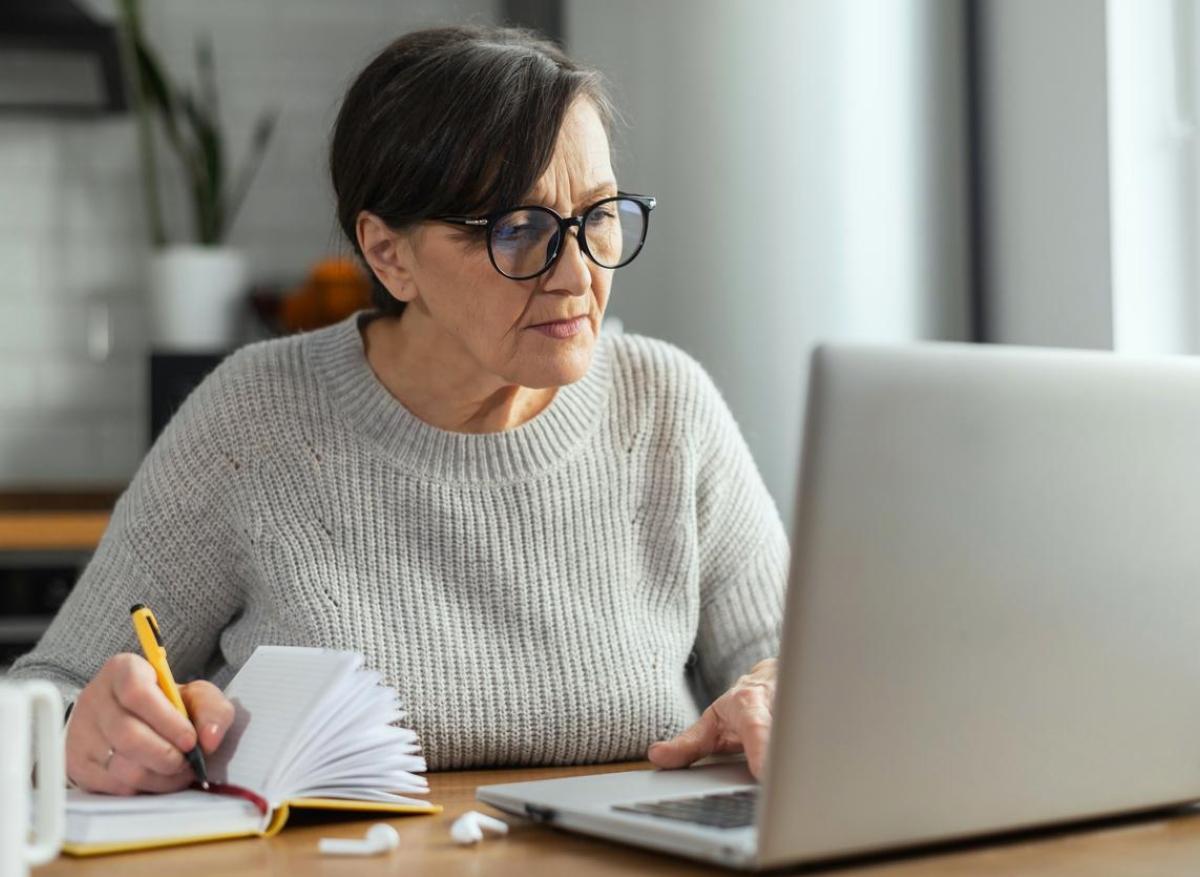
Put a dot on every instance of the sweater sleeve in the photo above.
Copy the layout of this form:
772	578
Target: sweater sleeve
174	542
743	551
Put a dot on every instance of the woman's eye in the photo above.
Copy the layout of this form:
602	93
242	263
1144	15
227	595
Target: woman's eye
602	214
516	232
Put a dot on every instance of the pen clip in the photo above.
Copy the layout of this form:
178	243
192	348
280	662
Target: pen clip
151	622
154	630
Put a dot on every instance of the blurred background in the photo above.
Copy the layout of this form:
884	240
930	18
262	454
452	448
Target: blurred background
1011	171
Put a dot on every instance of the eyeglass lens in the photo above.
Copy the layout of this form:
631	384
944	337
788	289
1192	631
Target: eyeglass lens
524	241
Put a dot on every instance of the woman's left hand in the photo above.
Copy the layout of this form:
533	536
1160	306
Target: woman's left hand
738	721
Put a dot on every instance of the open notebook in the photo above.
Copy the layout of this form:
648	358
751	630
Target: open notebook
313	730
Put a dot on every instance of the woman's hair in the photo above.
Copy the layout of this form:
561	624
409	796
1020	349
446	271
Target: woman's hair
452	120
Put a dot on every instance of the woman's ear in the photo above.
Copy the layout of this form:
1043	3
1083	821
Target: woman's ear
389	254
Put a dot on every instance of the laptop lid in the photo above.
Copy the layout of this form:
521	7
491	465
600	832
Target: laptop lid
994	612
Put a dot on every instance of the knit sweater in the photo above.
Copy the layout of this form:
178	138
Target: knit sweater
564	592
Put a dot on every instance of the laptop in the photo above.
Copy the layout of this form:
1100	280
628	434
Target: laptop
992	620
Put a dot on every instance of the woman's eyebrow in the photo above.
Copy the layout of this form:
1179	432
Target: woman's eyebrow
595	191
586	199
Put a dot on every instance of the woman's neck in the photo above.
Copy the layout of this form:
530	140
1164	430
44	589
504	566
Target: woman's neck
439	382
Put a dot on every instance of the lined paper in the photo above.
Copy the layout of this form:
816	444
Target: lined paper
275	695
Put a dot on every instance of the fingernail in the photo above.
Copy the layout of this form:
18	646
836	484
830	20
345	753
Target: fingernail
212	729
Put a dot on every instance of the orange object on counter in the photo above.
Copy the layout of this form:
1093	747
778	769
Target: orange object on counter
334	289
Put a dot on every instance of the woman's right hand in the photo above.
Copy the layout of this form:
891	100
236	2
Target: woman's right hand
125	737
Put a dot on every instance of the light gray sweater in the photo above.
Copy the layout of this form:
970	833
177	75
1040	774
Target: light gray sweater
558	593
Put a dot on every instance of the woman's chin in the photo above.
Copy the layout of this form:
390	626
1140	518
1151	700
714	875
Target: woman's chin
559	368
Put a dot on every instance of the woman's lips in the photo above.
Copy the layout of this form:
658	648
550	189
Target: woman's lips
562	328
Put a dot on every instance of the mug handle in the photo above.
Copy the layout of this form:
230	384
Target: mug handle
49	811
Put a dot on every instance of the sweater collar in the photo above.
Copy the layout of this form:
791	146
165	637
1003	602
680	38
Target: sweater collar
336	353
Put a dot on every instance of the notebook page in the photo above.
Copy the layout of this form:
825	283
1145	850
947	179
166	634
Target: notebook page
276	695
365	793
310	748
175	802
92	818
363	755
386	751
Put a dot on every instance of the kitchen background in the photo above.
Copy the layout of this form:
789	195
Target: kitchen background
73	242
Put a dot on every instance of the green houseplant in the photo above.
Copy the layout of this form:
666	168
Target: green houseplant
197	287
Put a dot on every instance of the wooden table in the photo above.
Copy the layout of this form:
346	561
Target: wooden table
1133	847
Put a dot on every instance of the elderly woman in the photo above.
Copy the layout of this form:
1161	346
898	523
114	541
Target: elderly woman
553	542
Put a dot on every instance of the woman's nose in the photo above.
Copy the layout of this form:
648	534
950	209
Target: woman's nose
570	273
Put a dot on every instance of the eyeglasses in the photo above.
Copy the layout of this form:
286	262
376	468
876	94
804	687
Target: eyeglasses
524	242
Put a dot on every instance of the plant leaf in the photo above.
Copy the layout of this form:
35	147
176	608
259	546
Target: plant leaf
158	87
264	129
210	179
206	74
129	18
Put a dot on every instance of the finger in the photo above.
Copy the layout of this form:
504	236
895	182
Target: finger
211	712
84	742
91	776
727	743
693	743
127	771
83	736
748	716
135	687
138	742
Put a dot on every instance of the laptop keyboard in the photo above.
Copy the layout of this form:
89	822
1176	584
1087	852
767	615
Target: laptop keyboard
718	810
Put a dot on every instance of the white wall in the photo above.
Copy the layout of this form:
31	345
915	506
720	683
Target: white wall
809	158
1045	153
71	231
1091	129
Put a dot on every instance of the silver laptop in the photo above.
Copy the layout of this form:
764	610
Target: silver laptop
993	618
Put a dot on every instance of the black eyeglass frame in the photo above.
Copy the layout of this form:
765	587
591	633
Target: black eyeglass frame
488	221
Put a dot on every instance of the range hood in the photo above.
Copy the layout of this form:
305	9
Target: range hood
55	58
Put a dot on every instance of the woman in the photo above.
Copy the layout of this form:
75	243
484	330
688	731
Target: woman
534	531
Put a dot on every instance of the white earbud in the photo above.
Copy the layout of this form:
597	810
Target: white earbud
380	838
469	828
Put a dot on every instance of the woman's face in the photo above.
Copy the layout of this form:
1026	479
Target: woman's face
458	299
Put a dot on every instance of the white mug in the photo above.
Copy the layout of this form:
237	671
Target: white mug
25	706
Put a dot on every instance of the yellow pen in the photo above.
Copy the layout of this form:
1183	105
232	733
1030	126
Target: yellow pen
146	627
